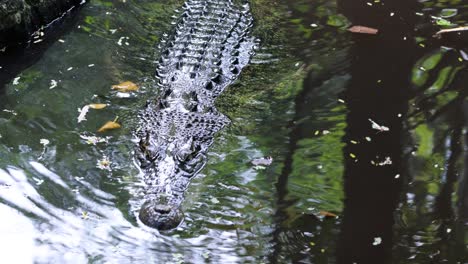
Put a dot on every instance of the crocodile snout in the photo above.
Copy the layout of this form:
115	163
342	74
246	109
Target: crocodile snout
161	216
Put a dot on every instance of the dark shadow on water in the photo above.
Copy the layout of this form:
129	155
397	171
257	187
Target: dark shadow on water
17	58
374	160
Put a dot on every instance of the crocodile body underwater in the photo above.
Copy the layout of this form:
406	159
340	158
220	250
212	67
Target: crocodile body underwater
206	53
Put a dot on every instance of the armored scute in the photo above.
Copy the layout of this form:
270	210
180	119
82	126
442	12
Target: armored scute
206	53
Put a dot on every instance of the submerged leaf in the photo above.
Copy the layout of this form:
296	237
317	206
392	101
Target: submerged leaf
109	126
125	87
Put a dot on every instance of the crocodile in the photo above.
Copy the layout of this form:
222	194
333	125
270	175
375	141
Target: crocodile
207	51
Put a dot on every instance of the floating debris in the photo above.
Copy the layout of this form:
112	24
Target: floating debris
214	200
104	164
377	241
16	80
38	181
378	127
10	111
120	41
83	111
387	161
84	215
53	84
265	161
93	140
44	141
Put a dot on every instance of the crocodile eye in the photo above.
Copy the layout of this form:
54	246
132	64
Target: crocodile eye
209	86
235	70
217	79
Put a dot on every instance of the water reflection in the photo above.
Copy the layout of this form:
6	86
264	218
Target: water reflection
377	99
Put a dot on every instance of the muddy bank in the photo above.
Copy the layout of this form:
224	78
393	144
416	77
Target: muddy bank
19	18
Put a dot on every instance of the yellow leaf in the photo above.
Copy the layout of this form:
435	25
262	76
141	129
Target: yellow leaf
109	126
125	87
97	106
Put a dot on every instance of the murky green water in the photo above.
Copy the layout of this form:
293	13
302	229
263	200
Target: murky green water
399	196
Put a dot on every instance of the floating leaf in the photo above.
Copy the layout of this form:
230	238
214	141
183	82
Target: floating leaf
109	126
457	29
363	30
443	22
448	12
125	87
97	106
327	214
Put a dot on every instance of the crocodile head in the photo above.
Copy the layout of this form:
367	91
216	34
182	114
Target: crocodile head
160	214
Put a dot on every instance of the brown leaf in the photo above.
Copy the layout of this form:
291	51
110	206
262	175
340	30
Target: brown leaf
327	214
97	106
109	126
363	30
125	87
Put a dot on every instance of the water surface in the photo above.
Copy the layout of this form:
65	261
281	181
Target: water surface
367	135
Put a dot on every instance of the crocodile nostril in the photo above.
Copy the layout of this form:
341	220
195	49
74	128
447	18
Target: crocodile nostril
162	209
